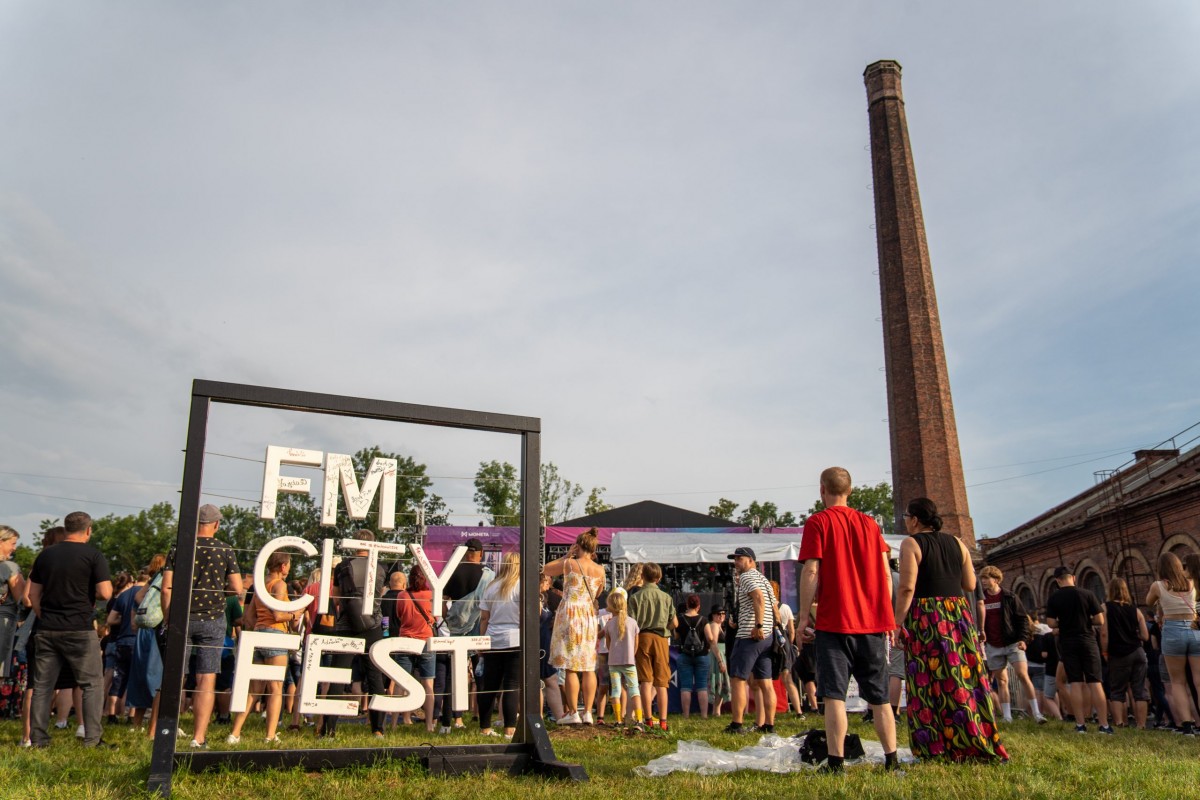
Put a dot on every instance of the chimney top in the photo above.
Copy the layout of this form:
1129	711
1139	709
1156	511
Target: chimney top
883	81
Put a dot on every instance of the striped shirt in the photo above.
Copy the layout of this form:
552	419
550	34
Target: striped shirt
748	582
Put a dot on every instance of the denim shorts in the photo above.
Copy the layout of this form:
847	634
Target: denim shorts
270	652
1179	638
419	665
751	659
693	672
207	638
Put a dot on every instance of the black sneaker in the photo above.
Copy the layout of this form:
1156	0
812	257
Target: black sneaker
734	727
828	769
1081	728
1108	729
766	728
1187	729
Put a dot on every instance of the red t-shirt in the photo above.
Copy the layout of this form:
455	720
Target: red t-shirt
411	622
852	593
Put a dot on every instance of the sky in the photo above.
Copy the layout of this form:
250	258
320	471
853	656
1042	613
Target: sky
649	225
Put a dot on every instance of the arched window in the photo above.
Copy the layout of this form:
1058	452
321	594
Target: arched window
1025	594
1095	584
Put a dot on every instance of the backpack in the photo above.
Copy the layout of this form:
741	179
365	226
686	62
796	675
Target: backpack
815	747
693	643
149	613
350	600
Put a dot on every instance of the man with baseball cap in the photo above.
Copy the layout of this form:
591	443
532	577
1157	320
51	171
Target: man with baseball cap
215	570
1071	612
755	610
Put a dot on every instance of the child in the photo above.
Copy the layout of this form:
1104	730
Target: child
621	635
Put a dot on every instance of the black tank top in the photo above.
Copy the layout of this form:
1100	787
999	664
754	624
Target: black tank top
940	571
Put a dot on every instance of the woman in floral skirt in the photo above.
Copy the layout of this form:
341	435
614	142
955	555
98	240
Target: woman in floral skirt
573	642
950	712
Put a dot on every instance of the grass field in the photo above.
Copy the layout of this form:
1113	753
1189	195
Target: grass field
1049	761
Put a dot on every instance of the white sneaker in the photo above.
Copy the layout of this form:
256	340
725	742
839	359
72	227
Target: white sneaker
80	732
586	719
26	743
569	719
231	739
61	725
179	734
444	730
1041	719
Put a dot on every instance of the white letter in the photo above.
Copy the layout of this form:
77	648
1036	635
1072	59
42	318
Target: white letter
460	665
314	674
381	657
273	484
326	575
245	670
260	574
381	476
437	582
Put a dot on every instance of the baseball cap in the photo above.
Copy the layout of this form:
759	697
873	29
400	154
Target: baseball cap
743	551
1061	571
474	544
209	513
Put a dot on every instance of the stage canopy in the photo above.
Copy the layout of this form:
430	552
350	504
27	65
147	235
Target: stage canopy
633	547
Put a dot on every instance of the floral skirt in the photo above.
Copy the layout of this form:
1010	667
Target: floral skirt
950	712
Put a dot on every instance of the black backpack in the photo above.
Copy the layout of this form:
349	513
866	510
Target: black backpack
693	643
814	748
351	600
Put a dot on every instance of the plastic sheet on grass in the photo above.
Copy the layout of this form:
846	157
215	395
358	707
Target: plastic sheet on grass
771	754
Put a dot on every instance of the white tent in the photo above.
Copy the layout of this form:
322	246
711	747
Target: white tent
633	547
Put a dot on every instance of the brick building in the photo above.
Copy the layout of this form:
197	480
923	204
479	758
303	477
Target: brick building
1117	528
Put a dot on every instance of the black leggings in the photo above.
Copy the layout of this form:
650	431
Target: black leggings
501	673
374	681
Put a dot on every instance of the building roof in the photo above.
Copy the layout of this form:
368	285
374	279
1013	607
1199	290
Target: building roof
646	514
1152	474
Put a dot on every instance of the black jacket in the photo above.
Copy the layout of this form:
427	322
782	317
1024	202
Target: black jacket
1014	623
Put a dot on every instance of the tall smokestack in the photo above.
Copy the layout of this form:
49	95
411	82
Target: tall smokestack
925	456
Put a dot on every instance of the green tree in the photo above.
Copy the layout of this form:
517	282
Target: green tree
723	509
129	542
595	502
24	556
558	494
498	493
873	500
764	513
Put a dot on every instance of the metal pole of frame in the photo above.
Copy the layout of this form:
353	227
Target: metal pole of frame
533	731
175	658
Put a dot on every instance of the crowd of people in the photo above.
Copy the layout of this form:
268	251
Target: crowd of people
919	623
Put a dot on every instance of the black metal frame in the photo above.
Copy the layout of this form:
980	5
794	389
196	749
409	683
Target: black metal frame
530	750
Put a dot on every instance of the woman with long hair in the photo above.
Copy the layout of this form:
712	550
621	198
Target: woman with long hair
12	590
1121	636
950	712
500	618
267	620
1176	596
414	612
146	666
573	642
693	664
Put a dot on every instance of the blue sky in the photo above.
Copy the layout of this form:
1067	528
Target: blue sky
647	224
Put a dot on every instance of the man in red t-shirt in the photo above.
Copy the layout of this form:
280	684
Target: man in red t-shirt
846	570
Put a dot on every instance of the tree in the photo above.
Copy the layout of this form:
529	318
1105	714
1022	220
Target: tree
595	502
129	542
498	493
875	501
558	494
723	509
764	513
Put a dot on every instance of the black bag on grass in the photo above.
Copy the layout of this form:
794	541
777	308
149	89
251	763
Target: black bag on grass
814	748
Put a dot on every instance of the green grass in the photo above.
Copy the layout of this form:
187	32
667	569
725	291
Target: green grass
1050	761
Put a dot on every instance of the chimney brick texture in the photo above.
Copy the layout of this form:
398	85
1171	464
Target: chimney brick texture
925	455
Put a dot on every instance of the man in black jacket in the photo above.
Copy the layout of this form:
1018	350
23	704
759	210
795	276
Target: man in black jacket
1006	627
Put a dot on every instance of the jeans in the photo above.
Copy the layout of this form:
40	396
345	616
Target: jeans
79	650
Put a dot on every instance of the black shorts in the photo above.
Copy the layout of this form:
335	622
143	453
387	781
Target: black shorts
1080	657
1128	671
863	655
